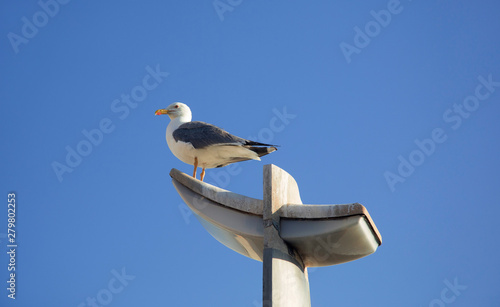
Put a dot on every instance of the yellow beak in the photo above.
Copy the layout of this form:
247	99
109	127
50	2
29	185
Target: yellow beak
161	111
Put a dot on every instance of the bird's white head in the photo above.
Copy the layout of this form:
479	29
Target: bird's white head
175	110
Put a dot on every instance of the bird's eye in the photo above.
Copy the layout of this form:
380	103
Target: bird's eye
176	106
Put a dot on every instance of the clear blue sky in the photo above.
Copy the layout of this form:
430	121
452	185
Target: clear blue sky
396	109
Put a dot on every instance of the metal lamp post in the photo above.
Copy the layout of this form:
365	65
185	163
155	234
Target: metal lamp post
286	235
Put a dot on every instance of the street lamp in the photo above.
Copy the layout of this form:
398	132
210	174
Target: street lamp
286	235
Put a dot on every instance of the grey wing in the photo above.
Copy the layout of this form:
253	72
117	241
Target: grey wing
201	135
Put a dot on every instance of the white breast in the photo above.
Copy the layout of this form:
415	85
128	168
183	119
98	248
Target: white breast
183	151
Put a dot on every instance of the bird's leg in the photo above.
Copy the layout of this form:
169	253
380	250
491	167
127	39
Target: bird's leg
202	174
195	166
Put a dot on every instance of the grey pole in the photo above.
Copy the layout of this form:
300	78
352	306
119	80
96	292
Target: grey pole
285	281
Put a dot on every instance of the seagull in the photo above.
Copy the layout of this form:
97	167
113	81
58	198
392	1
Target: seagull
205	145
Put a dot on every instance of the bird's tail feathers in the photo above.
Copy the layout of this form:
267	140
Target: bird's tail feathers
262	151
252	143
